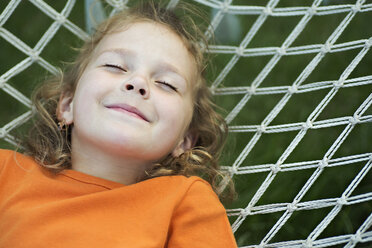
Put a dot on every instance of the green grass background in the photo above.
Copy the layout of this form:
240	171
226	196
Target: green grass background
29	23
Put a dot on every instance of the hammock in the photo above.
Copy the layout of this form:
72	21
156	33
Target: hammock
295	80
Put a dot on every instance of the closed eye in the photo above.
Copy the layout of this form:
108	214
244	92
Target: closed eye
115	66
168	85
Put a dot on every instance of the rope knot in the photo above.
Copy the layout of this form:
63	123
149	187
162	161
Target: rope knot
2	82
356	8
326	48
33	109
240	51
292	89
275	168
354	120
252	89
281	51
312	10
338	84
61	19
291	207
323	163
308	124
224	7
368	43
2	133
341	201
119	5
307	244
246	211
356	238
261	128
233	170
34	55
268	11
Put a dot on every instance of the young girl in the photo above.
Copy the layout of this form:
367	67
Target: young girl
124	148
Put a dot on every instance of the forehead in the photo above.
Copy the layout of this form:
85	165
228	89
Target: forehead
151	43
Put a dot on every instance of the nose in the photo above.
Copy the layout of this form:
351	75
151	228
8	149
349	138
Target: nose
137	85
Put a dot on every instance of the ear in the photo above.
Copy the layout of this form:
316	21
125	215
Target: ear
187	143
65	108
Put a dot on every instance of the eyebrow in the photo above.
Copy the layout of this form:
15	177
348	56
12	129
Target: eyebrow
162	66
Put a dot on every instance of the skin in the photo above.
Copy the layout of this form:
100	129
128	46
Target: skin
129	67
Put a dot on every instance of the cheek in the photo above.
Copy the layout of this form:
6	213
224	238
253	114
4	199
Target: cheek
177	114
91	88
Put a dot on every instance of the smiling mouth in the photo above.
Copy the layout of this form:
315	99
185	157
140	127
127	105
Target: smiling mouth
128	111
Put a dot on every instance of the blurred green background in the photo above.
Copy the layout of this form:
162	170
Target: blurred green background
28	23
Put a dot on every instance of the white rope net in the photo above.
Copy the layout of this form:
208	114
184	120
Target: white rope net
277	214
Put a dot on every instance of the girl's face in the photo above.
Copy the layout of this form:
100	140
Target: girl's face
134	99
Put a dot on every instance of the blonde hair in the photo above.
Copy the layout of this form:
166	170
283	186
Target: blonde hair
51	147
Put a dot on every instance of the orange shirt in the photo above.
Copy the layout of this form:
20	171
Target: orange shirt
74	209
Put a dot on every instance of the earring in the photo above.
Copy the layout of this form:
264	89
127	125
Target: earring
62	125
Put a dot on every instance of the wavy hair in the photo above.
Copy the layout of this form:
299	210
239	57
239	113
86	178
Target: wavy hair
51	147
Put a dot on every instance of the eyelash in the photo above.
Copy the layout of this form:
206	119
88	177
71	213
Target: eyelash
169	85
160	82
115	66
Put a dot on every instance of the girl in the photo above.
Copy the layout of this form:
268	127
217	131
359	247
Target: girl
124	148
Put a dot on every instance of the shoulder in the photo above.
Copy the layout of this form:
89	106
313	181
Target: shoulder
9	158
197	185
196	190
4	153
199	219
5	157
191	189
188	183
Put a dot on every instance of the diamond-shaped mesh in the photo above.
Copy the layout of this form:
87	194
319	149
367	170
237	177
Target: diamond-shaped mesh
295	79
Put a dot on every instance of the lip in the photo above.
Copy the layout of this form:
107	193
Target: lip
128	108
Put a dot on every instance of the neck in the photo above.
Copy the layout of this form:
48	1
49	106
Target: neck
97	162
